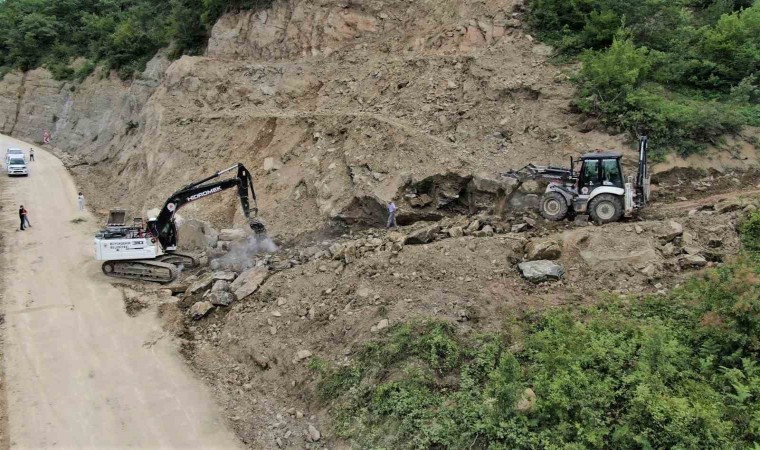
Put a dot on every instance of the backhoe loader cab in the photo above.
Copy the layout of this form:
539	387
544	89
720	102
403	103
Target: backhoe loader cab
599	188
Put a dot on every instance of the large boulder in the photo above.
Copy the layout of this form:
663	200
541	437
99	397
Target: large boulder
694	261
337	250
220	286
542	249
487	231
488	183
271	164
221	298
200	309
668	231
544	270
203	283
456	232
232	234
249	282
422	236
224	275
608	250
527	401
192	236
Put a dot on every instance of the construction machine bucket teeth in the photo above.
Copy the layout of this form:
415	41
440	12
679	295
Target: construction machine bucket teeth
258	227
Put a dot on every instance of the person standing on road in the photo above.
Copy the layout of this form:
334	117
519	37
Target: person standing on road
26	218
22	217
80	201
31	154
392	215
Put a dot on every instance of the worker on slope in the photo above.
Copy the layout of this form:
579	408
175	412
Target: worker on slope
391	215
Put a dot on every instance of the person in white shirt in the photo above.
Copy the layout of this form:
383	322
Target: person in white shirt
392	215
80	201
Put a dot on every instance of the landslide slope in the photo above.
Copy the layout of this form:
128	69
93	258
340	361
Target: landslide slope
354	103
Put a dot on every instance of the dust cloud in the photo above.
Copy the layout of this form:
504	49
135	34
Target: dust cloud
247	253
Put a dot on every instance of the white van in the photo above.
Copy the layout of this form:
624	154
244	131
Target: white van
16	166
14	153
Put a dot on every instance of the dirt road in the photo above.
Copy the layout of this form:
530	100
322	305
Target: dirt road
79	372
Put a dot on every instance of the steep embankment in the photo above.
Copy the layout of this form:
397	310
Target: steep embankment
335	108
353	104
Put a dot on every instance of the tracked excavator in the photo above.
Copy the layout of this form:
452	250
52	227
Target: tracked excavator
597	189
147	251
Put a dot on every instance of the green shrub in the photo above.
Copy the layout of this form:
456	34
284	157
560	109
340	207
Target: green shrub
683	71
119	34
85	70
751	233
677	371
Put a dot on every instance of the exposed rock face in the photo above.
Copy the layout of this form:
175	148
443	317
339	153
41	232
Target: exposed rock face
84	119
290	30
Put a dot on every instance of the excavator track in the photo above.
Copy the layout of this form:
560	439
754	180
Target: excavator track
178	259
141	269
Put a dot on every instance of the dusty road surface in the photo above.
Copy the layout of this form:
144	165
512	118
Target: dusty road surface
80	372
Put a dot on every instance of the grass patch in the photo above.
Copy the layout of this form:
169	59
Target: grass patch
677	371
78	220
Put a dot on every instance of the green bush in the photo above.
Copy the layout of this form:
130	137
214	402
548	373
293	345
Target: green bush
677	371
85	70
120	34
683	71
751	233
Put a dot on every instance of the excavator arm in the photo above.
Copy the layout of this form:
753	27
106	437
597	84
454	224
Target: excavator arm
164	228
549	173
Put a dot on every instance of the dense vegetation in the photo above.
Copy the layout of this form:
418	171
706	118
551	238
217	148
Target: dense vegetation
680	371
120	34
684	71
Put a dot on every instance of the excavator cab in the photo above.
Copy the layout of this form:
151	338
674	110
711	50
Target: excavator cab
166	234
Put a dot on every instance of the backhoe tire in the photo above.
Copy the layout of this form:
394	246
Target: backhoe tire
553	206
606	208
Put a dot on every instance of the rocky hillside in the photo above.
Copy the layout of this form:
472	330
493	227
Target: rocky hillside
337	107
334	107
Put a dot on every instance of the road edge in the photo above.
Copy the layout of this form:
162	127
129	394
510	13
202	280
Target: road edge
5	437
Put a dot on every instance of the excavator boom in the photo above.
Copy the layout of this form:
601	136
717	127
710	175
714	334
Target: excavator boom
164	228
